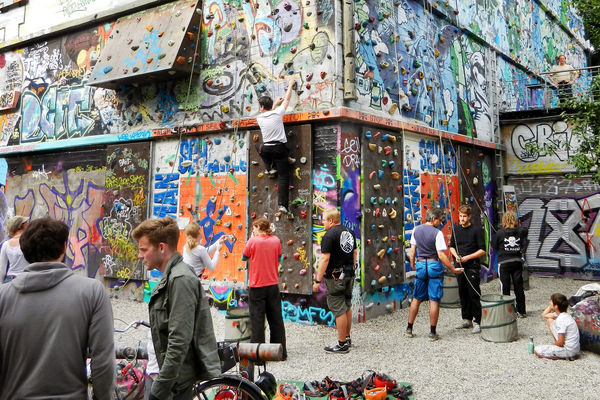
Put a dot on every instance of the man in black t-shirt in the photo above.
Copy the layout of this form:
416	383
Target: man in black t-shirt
336	265
467	246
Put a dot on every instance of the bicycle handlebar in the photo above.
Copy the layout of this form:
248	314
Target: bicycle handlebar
133	324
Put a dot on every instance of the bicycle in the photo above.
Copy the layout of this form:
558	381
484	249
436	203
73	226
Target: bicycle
238	386
130	368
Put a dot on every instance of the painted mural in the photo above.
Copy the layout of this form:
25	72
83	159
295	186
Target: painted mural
564	224
203	179
538	148
31	18
61	187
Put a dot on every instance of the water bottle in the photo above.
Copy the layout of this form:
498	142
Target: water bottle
530	345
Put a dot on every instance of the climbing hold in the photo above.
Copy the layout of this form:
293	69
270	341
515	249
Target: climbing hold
381	253
379	173
305	25
372	174
180	60
309	76
290	242
475	181
467	171
372	146
373	200
383	163
389	250
377	186
303	214
382	280
149	28
293	49
393	213
134	48
307	86
107	69
387	150
395	175
302	160
297	256
225	108
392	163
149	60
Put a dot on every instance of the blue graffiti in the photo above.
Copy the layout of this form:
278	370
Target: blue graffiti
433	158
165	202
308	315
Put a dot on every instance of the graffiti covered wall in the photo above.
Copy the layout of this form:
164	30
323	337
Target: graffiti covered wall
59	186
203	179
564	224
538	148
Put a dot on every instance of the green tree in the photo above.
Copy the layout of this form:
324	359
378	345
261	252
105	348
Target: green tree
590	13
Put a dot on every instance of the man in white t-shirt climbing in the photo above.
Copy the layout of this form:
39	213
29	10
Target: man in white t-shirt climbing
273	149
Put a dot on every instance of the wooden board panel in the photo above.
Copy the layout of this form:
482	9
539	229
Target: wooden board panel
382	209
471	181
294	230
124	208
155	44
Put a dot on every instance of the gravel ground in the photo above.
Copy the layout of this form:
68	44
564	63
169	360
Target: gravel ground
459	366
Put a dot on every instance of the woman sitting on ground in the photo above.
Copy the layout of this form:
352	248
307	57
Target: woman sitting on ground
12	261
563	329
197	256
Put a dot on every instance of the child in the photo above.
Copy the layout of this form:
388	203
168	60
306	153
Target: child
562	327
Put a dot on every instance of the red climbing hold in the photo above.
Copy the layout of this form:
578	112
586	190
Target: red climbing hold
253	215
302	214
297	256
323	74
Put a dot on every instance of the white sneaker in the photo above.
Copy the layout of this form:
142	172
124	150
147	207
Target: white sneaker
476	328
466	324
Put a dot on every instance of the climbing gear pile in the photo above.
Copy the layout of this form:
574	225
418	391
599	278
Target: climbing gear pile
372	386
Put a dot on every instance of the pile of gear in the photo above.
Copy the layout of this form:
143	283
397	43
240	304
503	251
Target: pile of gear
371	386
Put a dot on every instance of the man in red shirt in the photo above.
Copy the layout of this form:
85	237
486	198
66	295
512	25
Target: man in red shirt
263	250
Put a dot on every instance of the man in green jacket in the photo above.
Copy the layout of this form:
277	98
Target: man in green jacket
180	320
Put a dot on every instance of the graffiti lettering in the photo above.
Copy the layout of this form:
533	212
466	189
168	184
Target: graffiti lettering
309	315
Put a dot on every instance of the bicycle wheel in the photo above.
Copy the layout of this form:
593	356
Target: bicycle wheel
228	387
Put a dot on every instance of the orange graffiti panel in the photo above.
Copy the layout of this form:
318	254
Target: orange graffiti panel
218	204
435	194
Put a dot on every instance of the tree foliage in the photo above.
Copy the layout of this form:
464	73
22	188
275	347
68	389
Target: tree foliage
590	13
583	115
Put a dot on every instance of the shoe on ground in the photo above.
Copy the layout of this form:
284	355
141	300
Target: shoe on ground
476	328
338	349
291	160
519	315
466	324
348	341
409	333
433	337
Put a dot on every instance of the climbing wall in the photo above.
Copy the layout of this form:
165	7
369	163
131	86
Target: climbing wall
293	229
156	44
471	181
382	209
124	208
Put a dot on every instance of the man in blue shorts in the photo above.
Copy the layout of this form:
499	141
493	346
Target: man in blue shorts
428	259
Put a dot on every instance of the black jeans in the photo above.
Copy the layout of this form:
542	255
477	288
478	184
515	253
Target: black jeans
470	303
513	271
266	301
276	155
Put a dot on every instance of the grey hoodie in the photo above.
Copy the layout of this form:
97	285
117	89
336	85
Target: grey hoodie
49	317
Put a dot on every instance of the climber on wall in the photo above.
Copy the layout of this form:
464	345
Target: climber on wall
273	149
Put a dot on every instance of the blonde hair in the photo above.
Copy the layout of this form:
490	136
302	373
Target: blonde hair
191	235
333	214
509	220
15	223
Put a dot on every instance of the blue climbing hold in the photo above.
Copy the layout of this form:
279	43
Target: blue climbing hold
389	250
391	164
217	141
385	137
379	173
107	69
368	134
227	158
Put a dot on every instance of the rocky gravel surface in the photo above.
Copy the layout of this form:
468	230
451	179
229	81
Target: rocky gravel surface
459	366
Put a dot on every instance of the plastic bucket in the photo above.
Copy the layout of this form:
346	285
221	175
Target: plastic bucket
237	325
498	320
450	297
